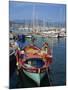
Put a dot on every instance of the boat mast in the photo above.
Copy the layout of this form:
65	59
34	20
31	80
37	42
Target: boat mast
43	25
52	44
33	18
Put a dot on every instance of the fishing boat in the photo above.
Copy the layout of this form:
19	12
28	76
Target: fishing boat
34	62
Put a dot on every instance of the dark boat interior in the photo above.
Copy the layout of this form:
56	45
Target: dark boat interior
35	62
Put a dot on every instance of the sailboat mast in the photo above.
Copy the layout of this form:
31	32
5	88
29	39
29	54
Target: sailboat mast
43	24
33	18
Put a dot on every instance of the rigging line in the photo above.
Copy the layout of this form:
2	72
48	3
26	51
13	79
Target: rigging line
52	46
12	53
51	75
52	55
48	77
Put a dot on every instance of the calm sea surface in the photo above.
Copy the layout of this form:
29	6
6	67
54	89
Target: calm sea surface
57	69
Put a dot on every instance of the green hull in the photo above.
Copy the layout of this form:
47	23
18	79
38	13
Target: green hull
35	76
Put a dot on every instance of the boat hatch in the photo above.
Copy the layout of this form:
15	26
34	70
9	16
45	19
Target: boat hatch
35	62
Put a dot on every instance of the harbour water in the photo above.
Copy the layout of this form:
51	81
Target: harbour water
57	69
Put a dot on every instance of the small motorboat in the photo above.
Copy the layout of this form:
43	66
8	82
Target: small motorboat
34	61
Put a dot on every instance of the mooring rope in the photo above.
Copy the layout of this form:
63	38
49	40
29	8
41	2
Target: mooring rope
48	77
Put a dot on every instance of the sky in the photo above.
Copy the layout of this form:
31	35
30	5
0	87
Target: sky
43	11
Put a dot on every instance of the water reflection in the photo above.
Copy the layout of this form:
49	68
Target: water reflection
58	67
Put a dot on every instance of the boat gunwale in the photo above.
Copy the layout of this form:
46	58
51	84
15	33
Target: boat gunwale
45	66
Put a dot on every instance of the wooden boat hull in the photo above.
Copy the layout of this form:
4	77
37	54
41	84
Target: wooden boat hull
34	63
35	76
